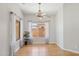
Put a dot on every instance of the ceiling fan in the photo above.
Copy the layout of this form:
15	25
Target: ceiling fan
40	13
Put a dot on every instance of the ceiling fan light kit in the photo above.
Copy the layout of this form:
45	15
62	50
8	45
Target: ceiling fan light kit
40	13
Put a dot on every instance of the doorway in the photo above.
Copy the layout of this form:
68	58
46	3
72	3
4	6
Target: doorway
39	32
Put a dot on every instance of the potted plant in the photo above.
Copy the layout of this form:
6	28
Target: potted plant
26	37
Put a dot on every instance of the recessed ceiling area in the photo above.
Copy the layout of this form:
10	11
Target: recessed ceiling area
32	8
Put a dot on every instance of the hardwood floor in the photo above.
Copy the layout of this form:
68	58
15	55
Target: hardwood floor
43	50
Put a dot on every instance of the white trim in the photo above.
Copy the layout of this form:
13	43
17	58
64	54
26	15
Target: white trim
59	46
12	32
17	49
73	51
13	41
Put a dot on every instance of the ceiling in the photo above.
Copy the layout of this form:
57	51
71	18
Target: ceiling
31	8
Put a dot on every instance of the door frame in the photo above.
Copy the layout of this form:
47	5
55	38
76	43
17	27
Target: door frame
12	35
47	39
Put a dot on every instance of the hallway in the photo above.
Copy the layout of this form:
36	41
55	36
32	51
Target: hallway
43	50
25	23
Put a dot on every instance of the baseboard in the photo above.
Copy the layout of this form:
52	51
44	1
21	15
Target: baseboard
17	49
59	46
73	51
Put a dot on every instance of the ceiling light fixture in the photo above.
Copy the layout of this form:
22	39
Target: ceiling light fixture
40	14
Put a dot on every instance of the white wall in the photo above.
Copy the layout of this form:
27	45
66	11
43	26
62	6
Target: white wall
50	21
52	30
59	26
4	24
4	33
71	26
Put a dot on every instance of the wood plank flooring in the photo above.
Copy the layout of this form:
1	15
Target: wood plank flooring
43	50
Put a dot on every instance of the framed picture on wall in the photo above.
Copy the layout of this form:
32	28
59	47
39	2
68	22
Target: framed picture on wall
17	29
